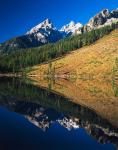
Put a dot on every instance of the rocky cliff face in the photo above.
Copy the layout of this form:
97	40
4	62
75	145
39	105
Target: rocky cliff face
103	18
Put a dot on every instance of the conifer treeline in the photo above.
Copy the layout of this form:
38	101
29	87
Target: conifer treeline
20	59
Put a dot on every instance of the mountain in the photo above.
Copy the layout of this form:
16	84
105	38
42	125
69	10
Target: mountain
103	18
72	28
39	35
21	59
45	32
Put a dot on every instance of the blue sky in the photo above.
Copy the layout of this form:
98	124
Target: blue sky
18	16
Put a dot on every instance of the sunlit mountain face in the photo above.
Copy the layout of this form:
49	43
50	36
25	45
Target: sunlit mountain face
45	109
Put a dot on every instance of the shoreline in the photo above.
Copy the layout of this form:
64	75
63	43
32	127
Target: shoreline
10	75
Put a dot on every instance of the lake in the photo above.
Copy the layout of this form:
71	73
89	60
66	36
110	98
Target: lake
35	117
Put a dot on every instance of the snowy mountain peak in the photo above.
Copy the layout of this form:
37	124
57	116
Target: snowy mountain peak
44	33
72	28
71	24
46	24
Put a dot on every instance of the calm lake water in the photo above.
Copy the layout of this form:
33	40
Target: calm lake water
33	118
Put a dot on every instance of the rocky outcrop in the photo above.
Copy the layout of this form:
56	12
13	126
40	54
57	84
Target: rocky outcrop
103	18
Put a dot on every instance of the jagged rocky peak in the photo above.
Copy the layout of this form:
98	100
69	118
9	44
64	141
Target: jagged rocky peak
70	25
45	32
72	28
99	19
105	17
46	24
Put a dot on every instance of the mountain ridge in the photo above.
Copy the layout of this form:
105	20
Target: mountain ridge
45	32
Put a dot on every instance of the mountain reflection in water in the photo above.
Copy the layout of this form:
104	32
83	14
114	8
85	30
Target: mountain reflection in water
45	109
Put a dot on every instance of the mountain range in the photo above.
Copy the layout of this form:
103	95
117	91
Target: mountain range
46	32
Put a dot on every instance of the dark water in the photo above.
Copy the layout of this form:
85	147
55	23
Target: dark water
32	118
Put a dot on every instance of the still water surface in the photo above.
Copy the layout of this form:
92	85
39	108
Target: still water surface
33	118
